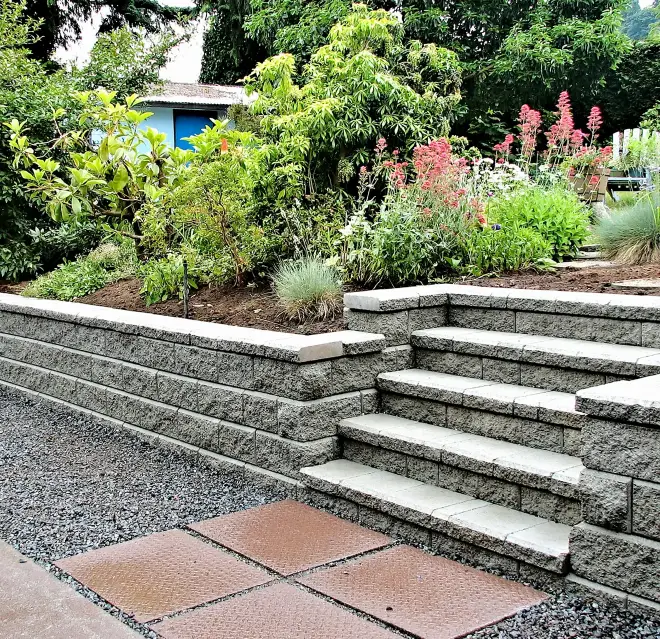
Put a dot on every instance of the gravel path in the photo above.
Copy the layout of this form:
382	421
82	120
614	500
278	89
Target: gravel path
68	484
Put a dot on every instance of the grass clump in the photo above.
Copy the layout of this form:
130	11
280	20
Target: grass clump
632	236
106	264
308	289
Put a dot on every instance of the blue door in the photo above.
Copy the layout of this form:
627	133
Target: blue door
187	123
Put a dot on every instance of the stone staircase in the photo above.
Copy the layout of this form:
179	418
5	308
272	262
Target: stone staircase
480	444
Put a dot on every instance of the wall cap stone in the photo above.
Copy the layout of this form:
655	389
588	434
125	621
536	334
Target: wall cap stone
235	339
605	305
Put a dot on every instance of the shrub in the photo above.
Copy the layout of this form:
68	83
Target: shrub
307	288
555	213
632	236
163	278
497	251
104	265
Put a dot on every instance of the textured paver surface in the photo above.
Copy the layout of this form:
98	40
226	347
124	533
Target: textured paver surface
289	537
279	611
35	605
286	570
650	283
428	596
162	573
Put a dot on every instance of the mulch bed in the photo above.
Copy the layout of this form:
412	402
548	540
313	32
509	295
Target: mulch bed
257	307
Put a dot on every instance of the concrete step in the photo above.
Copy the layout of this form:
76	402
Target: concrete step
589	255
503	531
553	363
531	480
529	416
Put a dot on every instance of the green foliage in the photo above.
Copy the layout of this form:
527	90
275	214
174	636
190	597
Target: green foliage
164	278
244	119
555	213
106	264
127	62
632	235
637	22
307	288
363	85
507	249
113	180
633	87
651	118
61	21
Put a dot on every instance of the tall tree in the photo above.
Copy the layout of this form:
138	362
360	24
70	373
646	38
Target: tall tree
60	19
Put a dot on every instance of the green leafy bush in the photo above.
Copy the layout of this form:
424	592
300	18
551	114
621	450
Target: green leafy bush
632	235
555	213
164	278
307	288
498	251
104	265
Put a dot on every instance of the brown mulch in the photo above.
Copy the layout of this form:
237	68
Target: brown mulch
252	307
258	308
592	280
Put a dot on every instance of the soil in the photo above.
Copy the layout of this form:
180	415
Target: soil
257	307
591	280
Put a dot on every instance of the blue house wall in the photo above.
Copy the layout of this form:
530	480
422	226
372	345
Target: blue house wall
163	119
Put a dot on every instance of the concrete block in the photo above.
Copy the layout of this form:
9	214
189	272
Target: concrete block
125	408
222	402
294	381
605	499
549	506
235	370
191	428
393	325
625	562
403	530
646	509
199	363
370	401
340	507
259	411
139	381
421	410
651	334
482	318
305	421
598	329
59	385
456	549
84	338
499	370
558	379
177	391
643	606
423	470
90	396
360	372
383	300
580	587
630	450
157	417
451	363
107	372
430	317
374	457
288	457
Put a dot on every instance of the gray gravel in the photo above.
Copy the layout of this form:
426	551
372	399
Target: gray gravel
68	484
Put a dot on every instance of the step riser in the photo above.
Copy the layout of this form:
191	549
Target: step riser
564	380
398	527
510	428
533	501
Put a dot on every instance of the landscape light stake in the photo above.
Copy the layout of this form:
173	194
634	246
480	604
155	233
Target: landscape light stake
186	289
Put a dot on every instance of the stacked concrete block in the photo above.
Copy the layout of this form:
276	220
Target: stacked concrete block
268	399
615	551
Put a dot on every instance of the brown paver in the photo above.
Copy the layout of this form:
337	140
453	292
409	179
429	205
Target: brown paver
36	605
288	536
428	596
279	611
162	573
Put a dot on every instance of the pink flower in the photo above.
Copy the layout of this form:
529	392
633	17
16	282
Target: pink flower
594	180
363	169
381	145
595	120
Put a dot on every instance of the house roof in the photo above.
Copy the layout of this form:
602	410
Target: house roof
188	93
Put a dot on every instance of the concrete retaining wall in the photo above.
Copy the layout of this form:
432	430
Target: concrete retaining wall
268	399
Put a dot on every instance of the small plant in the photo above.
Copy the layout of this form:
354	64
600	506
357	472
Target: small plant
104	265
555	213
633	235
163	279
308	289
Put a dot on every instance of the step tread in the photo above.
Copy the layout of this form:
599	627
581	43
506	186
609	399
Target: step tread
503	530
483	394
535	467
538	349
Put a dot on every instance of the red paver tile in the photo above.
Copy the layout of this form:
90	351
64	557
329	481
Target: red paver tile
428	596
162	573
279	611
288	536
34	604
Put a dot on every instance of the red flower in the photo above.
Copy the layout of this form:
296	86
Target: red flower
224	146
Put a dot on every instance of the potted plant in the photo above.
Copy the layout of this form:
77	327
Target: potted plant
588	170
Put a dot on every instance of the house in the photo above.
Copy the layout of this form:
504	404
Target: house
184	109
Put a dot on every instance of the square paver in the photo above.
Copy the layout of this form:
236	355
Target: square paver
428	596
288	536
160	574
279	611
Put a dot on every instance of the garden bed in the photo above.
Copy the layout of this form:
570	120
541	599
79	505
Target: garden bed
256	307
